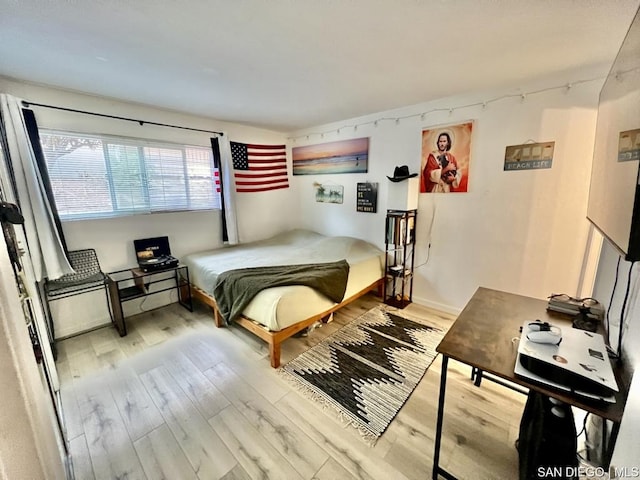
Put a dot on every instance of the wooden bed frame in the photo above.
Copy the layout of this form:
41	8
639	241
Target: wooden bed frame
274	339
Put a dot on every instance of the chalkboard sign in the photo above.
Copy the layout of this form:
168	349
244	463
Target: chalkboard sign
367	197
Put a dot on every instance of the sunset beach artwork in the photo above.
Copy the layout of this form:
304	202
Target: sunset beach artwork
345	156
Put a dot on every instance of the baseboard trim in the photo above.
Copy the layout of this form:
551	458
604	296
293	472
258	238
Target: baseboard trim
75	334
437	306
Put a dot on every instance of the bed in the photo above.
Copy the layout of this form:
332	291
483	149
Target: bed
277	313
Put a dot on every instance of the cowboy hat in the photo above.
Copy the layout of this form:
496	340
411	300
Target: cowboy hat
401	173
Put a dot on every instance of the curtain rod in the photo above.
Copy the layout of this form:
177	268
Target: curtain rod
141	122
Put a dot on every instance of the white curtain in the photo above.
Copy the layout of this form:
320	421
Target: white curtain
228	189
45	247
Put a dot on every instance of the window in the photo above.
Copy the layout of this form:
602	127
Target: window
97	176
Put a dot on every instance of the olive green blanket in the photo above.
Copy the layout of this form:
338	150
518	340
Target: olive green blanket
234	289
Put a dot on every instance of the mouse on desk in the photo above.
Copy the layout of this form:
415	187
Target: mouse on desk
543	332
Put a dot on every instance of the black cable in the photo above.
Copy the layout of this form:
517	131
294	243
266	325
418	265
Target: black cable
584	426
433	217
426	260
613	291
569	297
115	117
622	310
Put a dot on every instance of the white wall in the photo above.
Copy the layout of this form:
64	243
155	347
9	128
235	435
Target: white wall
525	232
259	215
626	451
603	290
192	232
522	231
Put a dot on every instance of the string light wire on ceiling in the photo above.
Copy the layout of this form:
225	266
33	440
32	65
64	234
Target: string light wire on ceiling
451	109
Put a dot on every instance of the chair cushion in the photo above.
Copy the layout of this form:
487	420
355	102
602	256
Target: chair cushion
87	274
60	287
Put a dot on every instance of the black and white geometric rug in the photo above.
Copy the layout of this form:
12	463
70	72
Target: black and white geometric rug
368	368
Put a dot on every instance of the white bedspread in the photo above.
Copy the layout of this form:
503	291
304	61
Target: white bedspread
277	308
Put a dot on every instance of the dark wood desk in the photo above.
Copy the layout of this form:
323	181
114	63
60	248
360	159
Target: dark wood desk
483	338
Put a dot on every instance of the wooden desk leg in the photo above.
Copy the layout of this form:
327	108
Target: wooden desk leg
116	307
436	454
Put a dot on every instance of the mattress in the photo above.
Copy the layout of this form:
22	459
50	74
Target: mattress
279	307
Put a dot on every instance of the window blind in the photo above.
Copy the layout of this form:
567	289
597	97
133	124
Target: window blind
95	176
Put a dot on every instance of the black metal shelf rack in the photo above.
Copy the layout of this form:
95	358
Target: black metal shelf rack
400	227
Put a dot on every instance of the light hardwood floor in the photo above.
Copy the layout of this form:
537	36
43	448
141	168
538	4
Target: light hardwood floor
178	398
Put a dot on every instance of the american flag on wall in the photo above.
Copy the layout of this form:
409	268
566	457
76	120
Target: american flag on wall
216	176
258	168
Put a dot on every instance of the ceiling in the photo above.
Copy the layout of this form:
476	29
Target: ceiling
291	64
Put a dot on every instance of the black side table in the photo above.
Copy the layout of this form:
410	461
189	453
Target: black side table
132	283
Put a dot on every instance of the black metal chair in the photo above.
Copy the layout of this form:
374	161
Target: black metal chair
87	277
